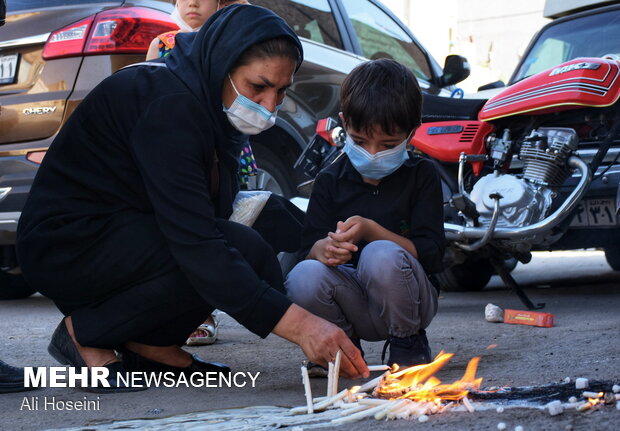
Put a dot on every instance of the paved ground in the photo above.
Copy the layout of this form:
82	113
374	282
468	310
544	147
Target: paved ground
578	287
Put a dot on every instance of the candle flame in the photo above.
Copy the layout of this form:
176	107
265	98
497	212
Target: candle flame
418	383
598	400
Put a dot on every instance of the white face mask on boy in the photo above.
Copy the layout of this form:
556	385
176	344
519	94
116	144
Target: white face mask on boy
249	117
379	165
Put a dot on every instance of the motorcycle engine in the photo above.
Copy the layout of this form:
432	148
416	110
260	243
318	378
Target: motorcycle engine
526	200
544	154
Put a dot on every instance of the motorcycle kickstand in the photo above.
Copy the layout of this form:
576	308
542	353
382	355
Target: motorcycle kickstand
509	280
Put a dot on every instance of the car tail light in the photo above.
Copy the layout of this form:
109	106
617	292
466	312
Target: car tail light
68	41
119	31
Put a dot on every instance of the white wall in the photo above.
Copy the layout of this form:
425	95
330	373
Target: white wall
492	34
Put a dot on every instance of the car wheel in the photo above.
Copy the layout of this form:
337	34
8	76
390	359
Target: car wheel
273	175
613	257
14	286
469	276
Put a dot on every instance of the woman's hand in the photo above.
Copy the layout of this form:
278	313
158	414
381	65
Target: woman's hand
320	340
354	229
332	252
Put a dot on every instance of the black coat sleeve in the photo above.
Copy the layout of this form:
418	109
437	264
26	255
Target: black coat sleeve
427	232
171	158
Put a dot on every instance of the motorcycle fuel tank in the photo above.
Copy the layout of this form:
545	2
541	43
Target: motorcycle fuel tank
577	83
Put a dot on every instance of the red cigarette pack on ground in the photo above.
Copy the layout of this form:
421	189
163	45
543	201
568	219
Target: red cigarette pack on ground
532	318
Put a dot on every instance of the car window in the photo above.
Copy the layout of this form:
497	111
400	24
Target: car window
312	19
381	37
15	5
589	36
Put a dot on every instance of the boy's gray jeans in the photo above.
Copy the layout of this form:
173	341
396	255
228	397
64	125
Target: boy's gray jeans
388	294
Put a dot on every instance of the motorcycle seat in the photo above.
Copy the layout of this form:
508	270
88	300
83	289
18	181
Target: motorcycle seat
436	108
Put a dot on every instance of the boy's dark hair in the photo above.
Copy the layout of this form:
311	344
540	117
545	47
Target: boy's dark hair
381	92
276	47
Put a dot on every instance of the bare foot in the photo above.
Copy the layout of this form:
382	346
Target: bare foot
92	356
169	355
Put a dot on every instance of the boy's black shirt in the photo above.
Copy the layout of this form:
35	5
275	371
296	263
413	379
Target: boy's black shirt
408	202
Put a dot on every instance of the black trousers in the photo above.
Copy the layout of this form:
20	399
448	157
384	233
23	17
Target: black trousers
164	309
138	293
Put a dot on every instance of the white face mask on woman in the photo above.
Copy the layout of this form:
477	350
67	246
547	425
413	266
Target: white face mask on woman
249	117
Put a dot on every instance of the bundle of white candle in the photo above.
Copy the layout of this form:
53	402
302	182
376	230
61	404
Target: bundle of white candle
357	402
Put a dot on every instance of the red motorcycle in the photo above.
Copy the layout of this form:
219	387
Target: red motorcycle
533	168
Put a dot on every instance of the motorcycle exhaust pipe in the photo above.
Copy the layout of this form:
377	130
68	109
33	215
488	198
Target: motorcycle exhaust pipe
458	233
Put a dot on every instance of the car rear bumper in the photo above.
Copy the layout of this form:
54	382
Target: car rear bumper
16	176
8	227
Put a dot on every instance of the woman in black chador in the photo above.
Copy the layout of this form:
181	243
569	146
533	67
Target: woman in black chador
126	224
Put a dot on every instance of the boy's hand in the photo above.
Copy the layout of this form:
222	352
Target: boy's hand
353	230
332	253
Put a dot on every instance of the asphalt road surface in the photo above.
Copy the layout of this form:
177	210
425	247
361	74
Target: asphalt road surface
579	288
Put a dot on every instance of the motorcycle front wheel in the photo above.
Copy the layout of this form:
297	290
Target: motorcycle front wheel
469	276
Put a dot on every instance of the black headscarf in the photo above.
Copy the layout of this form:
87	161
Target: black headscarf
202	60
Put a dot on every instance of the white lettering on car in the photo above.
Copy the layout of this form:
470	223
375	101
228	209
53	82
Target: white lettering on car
41	110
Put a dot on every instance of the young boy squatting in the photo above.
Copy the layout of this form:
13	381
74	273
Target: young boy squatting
374	225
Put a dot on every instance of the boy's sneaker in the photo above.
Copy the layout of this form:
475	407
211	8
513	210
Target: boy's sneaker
315	370
408	351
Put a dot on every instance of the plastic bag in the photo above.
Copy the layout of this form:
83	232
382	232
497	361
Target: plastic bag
248	205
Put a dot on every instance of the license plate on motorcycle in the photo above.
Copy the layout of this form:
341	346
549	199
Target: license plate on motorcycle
595	213
8	68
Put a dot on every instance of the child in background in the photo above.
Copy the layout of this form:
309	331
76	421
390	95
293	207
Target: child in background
190	15
374	225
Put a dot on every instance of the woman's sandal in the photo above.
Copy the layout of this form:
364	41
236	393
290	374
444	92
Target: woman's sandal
208	333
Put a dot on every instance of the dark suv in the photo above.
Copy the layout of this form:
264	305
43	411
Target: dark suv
53	52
